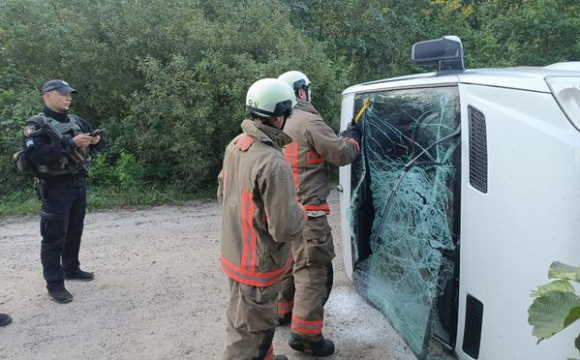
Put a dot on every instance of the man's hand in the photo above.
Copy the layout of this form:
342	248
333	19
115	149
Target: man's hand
83	140
354	131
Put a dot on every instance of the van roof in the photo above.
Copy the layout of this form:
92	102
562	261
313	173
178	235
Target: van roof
521	78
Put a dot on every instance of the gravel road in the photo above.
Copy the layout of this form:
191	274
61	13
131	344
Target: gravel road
158	294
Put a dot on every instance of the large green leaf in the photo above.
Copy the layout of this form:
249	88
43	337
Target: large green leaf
549	313
555	286
573	315
562	271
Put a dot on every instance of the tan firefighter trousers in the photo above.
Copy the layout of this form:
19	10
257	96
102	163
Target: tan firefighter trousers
252	320
304	286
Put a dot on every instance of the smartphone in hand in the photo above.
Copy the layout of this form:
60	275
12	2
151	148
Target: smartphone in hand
97	132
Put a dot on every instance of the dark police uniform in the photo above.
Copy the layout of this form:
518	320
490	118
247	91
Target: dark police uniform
61	186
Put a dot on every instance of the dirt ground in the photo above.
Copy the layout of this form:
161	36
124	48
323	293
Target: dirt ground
158	293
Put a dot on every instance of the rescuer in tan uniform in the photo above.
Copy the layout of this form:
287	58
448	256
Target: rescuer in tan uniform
260	216
314	146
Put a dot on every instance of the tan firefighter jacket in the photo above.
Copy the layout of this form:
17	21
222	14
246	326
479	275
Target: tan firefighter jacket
260	214
314	144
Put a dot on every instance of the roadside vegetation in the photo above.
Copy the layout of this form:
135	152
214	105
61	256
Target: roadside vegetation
168	78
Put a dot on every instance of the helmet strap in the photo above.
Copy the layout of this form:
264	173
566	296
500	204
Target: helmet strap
267	122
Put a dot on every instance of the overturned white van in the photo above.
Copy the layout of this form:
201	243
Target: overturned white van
466	190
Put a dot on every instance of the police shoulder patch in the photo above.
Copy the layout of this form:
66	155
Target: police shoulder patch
28	130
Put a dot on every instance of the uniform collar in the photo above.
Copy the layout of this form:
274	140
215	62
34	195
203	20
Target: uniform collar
305	106
266	134
59	116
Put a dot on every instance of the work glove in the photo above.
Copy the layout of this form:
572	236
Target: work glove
354	131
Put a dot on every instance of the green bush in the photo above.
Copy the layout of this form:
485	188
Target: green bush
168	78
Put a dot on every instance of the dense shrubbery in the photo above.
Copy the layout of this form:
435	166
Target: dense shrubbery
168	78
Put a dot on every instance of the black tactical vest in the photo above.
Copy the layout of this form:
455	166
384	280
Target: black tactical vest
64	165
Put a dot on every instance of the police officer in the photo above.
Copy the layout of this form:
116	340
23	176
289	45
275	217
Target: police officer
260	215
5	319
306	286
61	161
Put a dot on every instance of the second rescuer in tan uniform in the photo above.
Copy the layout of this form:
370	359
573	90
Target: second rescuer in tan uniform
314	146
260	216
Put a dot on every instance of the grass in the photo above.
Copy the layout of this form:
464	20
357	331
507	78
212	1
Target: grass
26	202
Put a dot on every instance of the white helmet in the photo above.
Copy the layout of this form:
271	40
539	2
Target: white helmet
268	98
296	80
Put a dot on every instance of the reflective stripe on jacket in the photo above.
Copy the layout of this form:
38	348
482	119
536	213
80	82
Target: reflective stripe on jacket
314	144
260	214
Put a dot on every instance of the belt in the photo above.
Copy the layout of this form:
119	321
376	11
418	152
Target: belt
63	182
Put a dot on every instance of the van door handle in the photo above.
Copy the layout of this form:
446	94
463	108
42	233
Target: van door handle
339	188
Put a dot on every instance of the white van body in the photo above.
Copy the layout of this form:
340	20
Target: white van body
527	217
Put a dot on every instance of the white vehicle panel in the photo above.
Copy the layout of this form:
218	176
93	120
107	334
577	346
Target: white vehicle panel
527	220
345	184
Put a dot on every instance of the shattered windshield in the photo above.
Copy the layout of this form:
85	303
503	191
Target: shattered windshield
404	212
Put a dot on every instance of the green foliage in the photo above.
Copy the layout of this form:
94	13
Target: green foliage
15	107
129	171
99	197
168	78
556	305
20	202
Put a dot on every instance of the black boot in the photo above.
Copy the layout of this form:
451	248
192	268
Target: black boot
5	319
280	357
78	274
285	319
320	347
60	294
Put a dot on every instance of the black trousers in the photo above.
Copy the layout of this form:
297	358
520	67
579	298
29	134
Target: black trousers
61	226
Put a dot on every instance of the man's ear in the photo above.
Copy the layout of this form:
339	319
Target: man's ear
302	94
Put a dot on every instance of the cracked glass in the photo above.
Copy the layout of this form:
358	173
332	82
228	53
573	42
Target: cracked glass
404	213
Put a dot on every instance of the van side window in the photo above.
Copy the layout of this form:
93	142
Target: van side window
405	265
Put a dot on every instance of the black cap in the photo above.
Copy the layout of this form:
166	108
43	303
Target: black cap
59	85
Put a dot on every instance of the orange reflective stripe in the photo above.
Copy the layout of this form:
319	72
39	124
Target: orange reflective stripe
292	159
285	307
244	142
315	161
270	355
324	207
244	214
312	157
248	232
254	278
306	327
254	238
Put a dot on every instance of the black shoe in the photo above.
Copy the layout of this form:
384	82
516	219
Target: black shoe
280	357
60	294
320	347
78	274
285	319
5	319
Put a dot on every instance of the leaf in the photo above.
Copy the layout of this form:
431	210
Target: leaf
573	315
555	286
549	312
562	271
577	343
